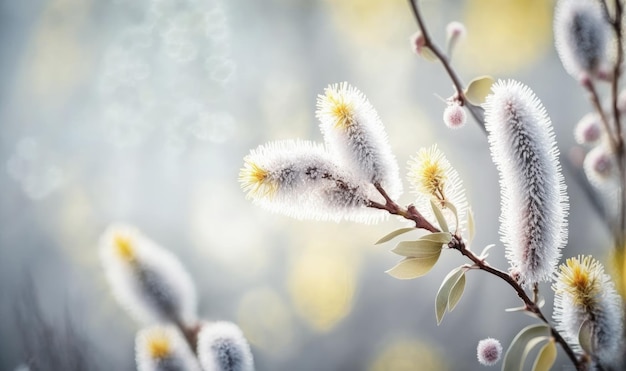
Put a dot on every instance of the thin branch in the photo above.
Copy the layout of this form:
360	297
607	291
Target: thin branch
594	97
531	306
457	243
619	145
476	111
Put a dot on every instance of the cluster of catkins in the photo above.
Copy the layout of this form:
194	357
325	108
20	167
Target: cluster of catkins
586	48
154	287
331	181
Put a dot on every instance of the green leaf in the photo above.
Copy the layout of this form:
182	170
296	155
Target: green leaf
452	208
428	54
478	89
546	357
443	295
485	252
529	347
418	249
516	309
442	237
471	226
394	234
516	354
456	292
586	337
440	218
413	267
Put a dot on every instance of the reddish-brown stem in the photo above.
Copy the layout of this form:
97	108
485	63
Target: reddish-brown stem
457	243
409	213
476	111
191	335
531	306
616	23
595	101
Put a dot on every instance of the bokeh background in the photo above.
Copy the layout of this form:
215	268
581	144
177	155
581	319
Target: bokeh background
141	111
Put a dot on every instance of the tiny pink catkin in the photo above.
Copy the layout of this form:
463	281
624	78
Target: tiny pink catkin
599	165
533	195
588	129
489	351
454	116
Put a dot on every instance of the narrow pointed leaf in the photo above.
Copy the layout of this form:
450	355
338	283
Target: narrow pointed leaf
393	235
441	220
413	267
546	357
418	249
443	295
532	343
456	292
441	237
471	226
485	252
478	89
514	357
516	309
585	337
452	208
541	302
428	54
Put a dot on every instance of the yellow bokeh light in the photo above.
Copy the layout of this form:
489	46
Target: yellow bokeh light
405	355
266	321
322	284
369	22
504	36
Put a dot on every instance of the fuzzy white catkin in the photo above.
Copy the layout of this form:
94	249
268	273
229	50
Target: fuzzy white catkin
356	137
298	179
163	348
533	194
587	293
147	280
222	347
489	351
581	35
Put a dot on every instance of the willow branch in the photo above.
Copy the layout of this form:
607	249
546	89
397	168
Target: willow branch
457	243
530	304
476	111
619	145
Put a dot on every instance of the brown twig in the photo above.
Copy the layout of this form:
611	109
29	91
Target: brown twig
531	306
616	23
476	111
457	243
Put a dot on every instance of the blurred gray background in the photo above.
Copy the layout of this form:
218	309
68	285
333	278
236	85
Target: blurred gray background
141	111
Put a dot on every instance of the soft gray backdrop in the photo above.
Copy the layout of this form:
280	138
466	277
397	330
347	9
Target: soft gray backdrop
141	112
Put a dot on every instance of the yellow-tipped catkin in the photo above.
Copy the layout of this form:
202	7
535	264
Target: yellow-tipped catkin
163	348
355	135
147	280
433	178
583	292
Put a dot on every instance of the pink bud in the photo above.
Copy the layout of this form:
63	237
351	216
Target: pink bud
417	42
489	351
454	116
455	30
588	129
